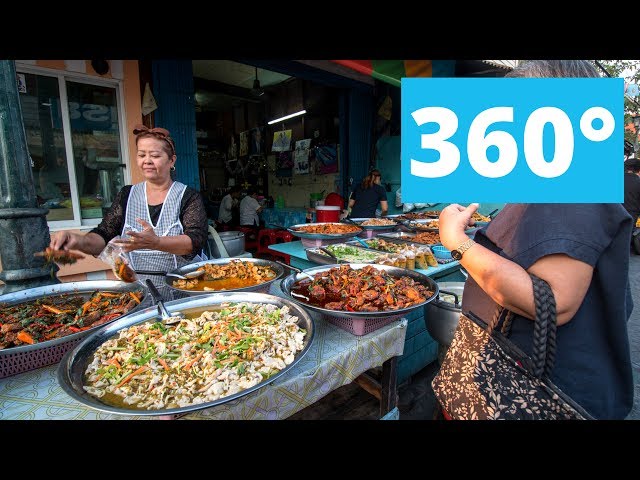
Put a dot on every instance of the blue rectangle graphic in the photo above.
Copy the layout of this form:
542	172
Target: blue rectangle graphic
512	140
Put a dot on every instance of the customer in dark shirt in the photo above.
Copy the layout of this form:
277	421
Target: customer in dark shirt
581	251
632	188
632	198
365	198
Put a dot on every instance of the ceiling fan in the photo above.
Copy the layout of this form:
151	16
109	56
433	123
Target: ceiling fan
257	90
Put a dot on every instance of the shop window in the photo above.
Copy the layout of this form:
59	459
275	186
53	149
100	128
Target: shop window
73	135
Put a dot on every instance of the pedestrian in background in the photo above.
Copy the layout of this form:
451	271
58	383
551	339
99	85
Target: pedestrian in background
366	197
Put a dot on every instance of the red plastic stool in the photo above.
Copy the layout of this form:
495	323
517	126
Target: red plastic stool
266	237
280	236
283	236
250	237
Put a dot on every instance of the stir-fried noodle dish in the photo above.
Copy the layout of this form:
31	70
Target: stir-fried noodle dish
222	352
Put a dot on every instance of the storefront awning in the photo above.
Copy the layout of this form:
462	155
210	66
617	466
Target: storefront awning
391	71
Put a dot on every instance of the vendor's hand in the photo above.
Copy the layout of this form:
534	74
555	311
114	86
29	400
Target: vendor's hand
454	220
66	240
147	238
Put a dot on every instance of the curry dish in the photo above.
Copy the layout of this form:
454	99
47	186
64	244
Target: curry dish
230	276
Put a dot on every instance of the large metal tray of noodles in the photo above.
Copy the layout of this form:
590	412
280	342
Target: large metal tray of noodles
14	360
192	267
289	282
71	371
294	229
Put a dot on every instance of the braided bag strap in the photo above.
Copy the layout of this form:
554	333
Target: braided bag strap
545	304
544	330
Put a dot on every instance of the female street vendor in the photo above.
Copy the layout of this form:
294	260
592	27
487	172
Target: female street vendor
163	222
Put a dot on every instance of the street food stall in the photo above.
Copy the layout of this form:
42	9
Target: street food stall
373	244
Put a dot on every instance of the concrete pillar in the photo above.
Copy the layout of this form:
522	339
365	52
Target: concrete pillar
23	225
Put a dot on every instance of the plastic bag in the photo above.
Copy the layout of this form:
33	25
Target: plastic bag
398	198
119	261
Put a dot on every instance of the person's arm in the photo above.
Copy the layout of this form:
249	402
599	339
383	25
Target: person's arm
90	243
94	242
384	206
506	282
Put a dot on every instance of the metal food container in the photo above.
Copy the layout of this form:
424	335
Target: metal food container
288	283
233	241
294	230
23	358
73	366
192	267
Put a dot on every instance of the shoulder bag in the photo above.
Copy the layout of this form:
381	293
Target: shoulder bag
485	376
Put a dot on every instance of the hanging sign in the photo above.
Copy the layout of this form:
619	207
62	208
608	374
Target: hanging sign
512	140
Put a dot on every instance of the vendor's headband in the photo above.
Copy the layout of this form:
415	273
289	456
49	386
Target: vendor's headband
162	133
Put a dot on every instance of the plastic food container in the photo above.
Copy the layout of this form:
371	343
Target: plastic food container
327	213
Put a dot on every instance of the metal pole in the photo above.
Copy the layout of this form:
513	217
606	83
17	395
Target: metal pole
23	226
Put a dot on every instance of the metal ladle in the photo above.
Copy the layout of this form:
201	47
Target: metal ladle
295	269
167	318
187	276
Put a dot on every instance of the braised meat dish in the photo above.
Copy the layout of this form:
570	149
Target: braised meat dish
363	290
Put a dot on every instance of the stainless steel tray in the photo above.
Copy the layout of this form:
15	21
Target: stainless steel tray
20	359
359	221
72	367
288	283
404	237
264	286
314	254
412	225
323	236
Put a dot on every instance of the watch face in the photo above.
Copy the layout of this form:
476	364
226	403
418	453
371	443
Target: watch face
456	254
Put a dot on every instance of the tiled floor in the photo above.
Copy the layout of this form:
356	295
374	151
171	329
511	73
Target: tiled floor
350	402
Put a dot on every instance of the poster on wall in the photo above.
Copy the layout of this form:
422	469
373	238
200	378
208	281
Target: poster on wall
244	143
281	141
256	145
284	164
232	151
326	159
301	157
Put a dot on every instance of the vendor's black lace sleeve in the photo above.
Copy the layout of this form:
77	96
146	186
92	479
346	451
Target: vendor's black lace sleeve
113	221
193	217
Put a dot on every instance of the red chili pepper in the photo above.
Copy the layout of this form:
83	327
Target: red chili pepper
75	329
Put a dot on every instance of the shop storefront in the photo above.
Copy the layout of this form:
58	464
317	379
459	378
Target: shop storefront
77	117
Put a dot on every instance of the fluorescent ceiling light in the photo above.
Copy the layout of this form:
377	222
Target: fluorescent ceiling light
286	117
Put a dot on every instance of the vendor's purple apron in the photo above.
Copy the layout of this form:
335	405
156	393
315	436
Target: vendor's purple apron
168	225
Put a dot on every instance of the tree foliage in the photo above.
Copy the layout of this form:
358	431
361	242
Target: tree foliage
630	71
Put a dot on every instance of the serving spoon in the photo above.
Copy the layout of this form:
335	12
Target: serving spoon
167	318
295	269
186	276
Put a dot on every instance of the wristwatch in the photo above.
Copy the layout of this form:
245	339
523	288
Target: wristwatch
458	252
